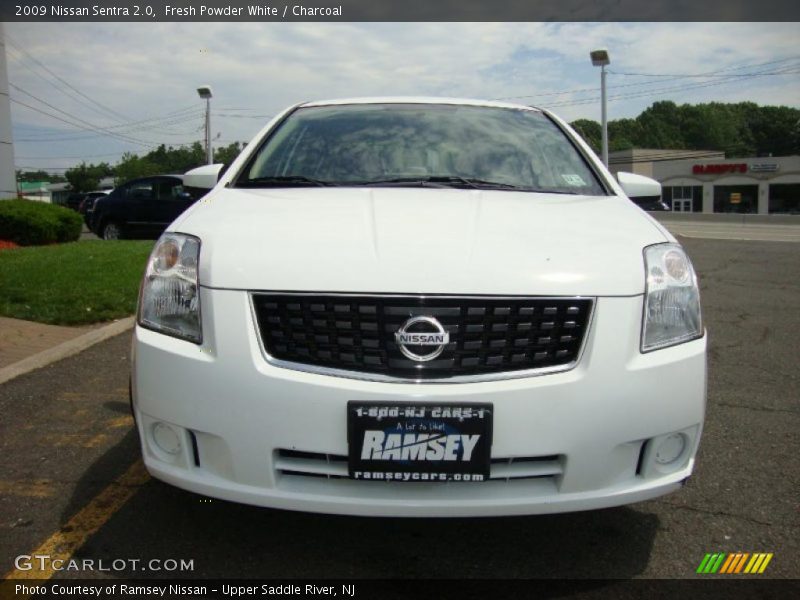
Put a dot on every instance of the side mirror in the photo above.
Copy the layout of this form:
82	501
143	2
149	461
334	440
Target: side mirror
638	186
204	177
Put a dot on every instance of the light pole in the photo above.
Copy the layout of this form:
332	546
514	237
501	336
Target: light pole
600	59
205	93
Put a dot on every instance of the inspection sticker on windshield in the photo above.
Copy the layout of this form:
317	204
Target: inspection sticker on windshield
405	441
573	179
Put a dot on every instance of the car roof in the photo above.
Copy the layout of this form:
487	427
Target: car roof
173	175
418	100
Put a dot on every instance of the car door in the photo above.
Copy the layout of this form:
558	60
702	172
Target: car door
140	205
170	202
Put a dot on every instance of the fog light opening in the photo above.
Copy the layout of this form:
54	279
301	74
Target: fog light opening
195	449
671	449
166	439
640	460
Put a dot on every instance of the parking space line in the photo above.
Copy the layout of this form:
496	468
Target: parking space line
38	488
123	421
80	440
74	533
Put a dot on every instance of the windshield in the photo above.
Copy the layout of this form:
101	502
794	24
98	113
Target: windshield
421	144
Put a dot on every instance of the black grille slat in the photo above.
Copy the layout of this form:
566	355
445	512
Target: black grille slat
487	335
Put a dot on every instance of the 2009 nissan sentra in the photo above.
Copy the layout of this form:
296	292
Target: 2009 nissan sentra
420	307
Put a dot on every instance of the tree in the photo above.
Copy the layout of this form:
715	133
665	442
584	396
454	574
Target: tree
660	127
773	131
590	131
85	178
163	160
228	154
132	166
623	134
177	160
742	129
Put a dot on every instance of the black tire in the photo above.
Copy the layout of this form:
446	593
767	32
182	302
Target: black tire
111	230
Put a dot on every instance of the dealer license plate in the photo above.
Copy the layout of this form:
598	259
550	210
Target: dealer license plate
407	441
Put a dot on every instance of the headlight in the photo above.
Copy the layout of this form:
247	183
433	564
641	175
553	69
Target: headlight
671	300
169	300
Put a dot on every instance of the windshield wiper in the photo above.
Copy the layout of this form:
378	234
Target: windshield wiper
401	181
441	181
548	191
495	185
282	181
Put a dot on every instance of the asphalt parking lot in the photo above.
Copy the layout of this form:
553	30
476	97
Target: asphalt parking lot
71	484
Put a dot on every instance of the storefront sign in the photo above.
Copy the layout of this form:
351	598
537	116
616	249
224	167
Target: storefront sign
764	167
719	169
736	198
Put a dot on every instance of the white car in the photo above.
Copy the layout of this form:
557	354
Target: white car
420	307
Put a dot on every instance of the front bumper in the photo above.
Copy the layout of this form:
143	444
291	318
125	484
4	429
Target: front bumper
251	432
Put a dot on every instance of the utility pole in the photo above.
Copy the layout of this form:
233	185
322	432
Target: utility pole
8	177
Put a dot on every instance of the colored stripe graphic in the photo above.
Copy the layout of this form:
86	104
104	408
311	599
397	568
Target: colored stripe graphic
765	563
734	563
712	560
740	562
735	558
703	563
727	563
755	562
718	564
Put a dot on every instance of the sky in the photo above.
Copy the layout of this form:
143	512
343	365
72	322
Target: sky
127	87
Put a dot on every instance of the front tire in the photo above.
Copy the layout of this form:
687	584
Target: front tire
111	231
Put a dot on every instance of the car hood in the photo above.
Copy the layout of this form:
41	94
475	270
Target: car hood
420	241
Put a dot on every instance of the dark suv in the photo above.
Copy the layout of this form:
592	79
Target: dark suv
140	208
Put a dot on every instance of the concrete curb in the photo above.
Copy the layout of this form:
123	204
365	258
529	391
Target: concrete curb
78	344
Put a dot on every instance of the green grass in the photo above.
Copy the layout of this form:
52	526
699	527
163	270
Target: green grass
72	284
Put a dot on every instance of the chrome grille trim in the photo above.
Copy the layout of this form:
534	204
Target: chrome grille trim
378	377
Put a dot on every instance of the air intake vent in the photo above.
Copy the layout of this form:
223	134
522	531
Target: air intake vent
334	466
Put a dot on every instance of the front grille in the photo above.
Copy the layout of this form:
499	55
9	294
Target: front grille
334	466
487	336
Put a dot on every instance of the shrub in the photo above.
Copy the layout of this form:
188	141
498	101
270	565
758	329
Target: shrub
30	223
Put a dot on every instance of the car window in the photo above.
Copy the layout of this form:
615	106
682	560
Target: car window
169	190
361	144
141	190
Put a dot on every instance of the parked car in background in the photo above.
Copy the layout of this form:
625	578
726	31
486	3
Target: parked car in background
420	307
139	208
74	200
86	207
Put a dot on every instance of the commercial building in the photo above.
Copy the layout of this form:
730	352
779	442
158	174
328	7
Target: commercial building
705	181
